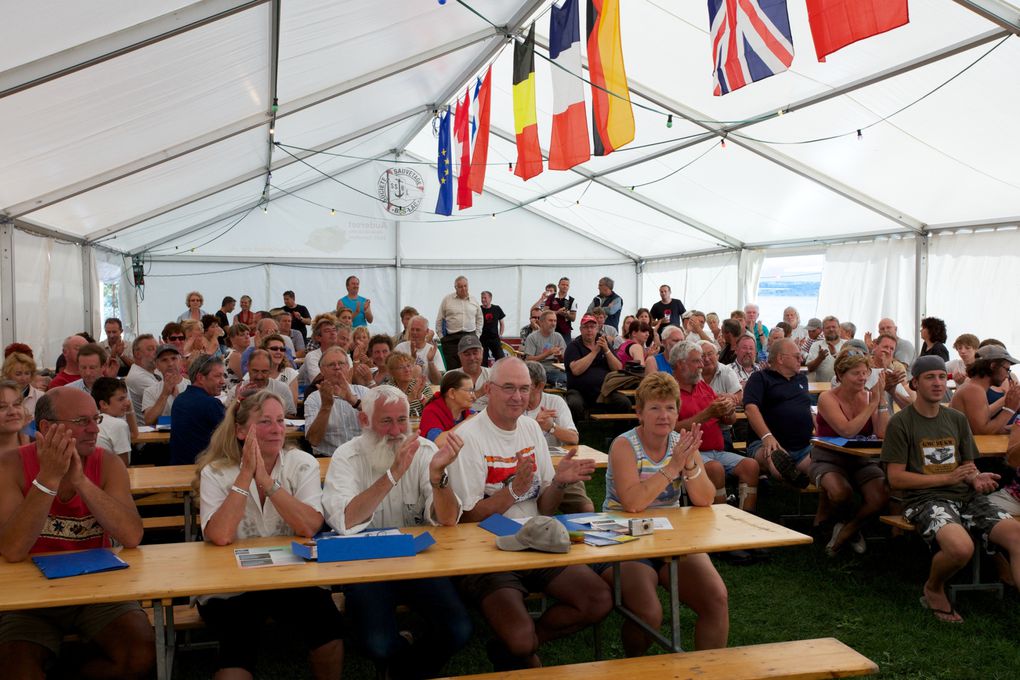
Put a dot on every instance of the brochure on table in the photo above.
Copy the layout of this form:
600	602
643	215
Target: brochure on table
597	529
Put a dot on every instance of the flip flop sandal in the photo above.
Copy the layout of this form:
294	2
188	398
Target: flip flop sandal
944	612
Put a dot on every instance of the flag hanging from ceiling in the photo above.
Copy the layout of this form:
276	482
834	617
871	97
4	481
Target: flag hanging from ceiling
480	144
612	116
444	168
838	23
462	131
529	153
751	41
568	145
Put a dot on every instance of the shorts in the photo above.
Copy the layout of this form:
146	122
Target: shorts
47	627
1005	501
575	499
857	471
727	459
797	455
477	587
237	621
977	514
656	563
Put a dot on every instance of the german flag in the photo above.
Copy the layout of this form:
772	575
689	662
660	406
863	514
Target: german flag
529	153
611	113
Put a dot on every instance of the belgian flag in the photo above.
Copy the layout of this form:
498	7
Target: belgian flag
529	153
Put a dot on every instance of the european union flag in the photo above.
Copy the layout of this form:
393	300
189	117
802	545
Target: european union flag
444	168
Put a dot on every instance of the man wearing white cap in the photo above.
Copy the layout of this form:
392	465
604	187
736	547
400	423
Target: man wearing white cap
990	369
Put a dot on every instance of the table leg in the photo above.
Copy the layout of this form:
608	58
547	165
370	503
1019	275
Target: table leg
674	596
188	518
166	643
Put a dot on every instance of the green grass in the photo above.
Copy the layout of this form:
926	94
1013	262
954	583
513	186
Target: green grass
869	602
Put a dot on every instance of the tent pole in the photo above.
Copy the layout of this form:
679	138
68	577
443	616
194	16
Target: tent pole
7	325
396	262
88	288
639	271
920	285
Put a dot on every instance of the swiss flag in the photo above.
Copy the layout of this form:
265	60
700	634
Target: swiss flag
838	23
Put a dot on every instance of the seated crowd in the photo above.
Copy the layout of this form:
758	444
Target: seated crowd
435	426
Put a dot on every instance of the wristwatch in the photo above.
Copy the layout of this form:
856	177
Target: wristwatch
444	481
274	488
552	428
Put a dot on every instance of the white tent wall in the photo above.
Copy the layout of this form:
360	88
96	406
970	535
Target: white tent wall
970	285
48	294
708	283
865	282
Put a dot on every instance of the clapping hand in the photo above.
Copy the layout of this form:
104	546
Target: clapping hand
524	475
54	449
446	455
405	456
685	448
572	469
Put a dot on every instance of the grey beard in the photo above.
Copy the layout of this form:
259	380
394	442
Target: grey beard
380	451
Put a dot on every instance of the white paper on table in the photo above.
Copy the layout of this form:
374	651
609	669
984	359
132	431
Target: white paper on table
145	428
294	422
661	523
276	556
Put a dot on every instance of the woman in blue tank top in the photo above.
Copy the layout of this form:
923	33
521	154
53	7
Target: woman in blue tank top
647	467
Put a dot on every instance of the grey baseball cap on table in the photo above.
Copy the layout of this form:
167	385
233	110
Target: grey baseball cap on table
927	363
545	534
469	341
996	353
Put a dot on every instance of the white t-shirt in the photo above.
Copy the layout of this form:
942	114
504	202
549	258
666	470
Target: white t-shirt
489	457
282	390
350	473
114	435
421	357
138	380
343	424
725	381
563	417
826	369
152	392
483	401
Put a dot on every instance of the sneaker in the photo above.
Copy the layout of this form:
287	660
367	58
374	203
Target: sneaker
830	546
788	469
858	544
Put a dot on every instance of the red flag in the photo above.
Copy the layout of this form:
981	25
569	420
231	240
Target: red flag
462	131
480	151
838	23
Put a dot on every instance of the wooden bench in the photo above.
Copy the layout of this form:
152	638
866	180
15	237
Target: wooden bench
167	522
975	583
802	659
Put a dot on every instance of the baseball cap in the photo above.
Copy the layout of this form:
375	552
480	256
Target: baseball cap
996	353
927	363
588	318
814	323
538	533
469	341
166	348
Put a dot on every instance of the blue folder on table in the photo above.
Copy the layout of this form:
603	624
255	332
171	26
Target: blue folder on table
163	424
92	561
333	548
503	526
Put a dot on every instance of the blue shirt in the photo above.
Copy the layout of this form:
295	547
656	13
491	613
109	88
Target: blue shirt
785	405
359	318
193	418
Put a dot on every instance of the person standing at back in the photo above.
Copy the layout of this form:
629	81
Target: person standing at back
492	329
360	307
565	308
667	311
608	300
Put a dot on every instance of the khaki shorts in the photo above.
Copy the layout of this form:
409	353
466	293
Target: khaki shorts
47	627
575	499
477	587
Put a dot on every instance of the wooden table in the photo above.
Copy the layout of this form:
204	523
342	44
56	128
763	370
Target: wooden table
159	573
819	387
988	445
163	436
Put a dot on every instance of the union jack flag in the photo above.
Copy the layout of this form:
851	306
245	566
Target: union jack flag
751	40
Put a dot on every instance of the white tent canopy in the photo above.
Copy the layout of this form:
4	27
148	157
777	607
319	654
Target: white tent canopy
146	130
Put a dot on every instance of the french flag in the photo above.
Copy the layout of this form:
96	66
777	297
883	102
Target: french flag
569	143
462	131
480	104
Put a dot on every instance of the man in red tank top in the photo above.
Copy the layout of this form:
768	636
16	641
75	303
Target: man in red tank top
63	493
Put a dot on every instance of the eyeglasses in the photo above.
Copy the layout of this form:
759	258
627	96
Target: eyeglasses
510	389
278	348
171	338
82	421
534	318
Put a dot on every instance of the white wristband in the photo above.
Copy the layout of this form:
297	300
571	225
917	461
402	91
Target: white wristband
42	487
767	434
389	475
1009	410
238	490
697	474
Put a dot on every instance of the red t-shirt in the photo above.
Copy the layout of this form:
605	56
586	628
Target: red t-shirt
69	525
694	402
63	378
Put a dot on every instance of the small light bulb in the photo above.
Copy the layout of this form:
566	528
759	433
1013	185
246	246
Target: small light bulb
669	120
493	215
332	211
859	135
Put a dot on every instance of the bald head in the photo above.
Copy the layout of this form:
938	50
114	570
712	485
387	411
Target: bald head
61	405
70	349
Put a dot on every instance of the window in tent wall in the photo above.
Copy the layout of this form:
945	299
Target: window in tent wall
789	281
111	300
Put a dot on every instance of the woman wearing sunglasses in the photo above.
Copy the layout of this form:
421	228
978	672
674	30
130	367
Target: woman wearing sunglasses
279	366
849	410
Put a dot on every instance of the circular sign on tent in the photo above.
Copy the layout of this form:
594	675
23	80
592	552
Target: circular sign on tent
401	191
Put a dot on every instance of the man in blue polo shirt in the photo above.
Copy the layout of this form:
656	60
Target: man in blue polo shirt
778	408
197	411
